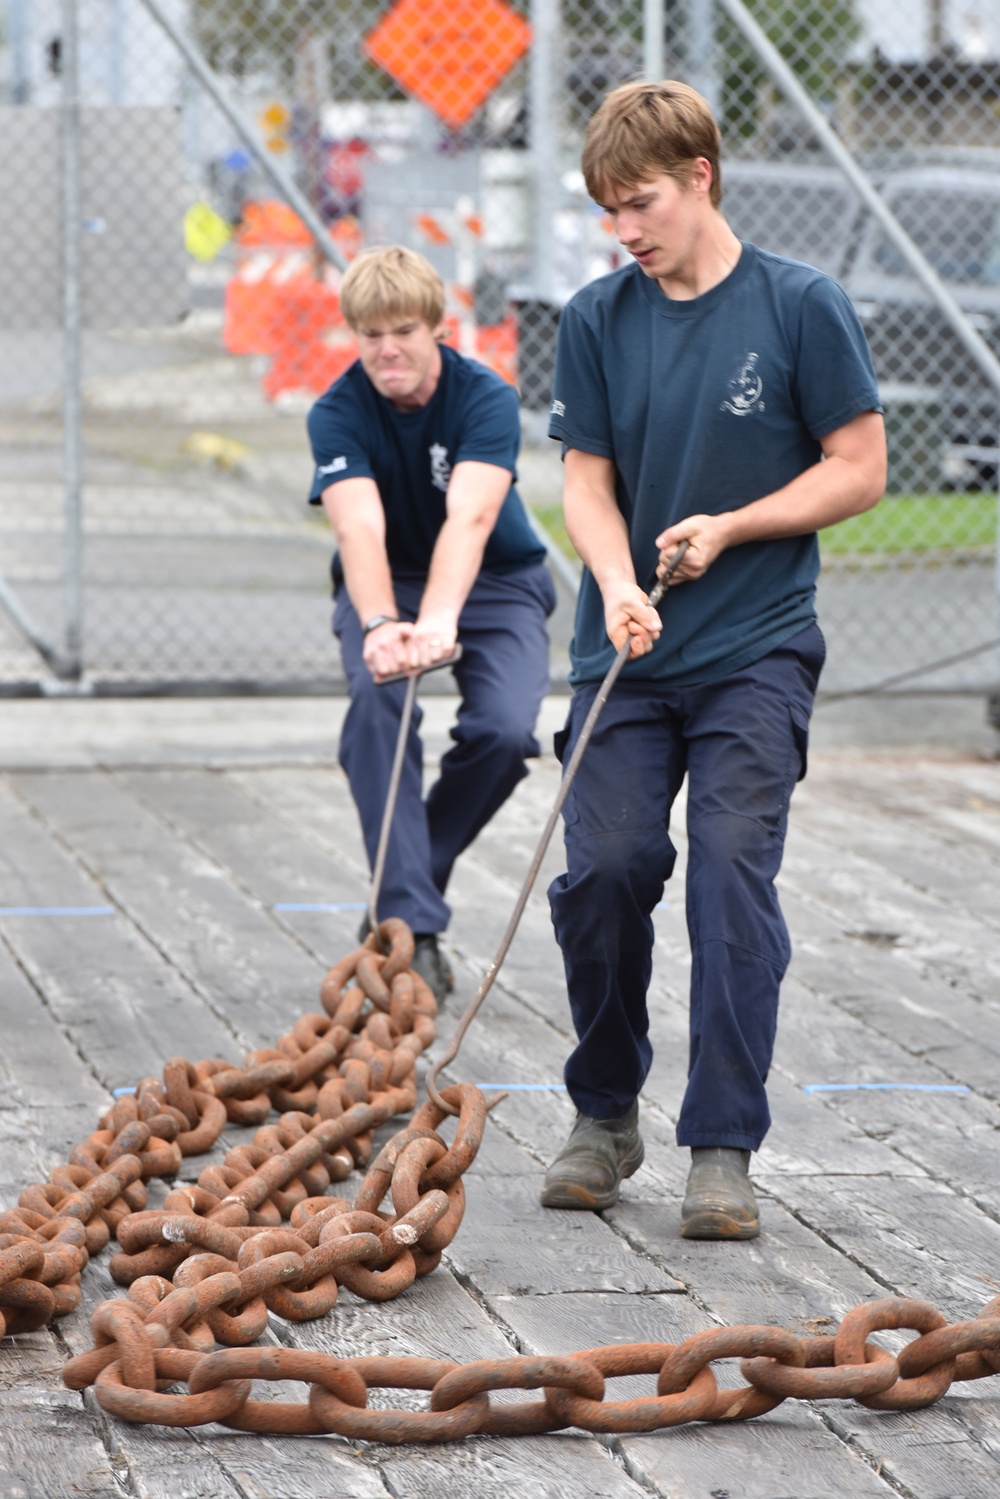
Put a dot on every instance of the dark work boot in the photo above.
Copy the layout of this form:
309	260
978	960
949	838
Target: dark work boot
433	967
594	1162
719	1203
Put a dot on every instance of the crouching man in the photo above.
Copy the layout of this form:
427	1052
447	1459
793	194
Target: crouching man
416	451
714	394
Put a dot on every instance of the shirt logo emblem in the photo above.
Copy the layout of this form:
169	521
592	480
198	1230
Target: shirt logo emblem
558	408
745	389
336	467
440	467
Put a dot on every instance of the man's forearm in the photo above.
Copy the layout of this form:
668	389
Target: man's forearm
455	563
828	492
597	529
364	562
848	480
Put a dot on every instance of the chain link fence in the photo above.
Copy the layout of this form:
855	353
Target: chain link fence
184	181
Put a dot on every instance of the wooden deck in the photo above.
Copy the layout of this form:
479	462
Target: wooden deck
196	829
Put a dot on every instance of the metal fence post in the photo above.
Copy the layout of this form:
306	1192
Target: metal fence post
653	52
18	34
701	51
545	139
72	349
993	701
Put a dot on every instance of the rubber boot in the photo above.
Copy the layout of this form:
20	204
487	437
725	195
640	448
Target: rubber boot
720	1202
433	967
589	1170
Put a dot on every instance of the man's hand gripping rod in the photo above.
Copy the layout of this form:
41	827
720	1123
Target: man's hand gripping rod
655	598
411	678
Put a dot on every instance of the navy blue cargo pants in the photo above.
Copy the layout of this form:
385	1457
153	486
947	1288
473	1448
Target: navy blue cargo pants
742	743
502	677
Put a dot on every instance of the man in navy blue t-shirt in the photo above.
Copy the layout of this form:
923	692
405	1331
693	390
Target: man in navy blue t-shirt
416	451
713	394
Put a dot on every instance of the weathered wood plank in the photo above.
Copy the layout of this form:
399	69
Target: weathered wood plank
122	1007
894	832
48	1448
917	1237
246	969
510	1245
35	1052
869	899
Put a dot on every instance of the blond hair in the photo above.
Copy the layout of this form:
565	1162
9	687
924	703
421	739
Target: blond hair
389	284
644	129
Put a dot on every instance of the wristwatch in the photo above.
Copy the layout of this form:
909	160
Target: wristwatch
378	619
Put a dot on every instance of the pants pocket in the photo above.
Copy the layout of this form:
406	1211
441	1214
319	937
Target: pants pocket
800	738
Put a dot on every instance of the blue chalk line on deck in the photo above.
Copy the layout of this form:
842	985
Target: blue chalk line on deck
885	1088
57	910
341	905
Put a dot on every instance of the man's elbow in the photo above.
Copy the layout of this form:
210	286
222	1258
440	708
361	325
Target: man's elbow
873	471
873	485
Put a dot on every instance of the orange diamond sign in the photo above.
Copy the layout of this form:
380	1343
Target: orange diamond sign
450	54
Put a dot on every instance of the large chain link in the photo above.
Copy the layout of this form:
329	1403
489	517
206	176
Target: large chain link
138	1354
257	1231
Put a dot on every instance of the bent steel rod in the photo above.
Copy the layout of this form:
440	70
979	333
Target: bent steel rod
655	598
396	775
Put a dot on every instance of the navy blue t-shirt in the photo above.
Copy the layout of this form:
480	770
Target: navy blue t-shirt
704	406
472	416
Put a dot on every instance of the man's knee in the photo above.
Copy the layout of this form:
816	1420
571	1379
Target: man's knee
611	872
732	864
735	849
504	738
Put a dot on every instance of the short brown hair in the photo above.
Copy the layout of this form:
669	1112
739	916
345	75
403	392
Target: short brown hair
643	129
391	283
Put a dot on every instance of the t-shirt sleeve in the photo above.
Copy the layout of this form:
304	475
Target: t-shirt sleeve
580	416
337	433
491	426
835	375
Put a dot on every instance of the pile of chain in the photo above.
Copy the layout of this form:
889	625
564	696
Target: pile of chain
336	1077
140	1356
258	1234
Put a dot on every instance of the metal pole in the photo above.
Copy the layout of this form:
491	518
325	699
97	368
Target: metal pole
543	93
24	622
19	22
789	84
993	700
116	60
653	26
700	50
388	813
282	181
72	351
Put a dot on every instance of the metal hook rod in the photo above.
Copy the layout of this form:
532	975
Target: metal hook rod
412	678
390	803
655	598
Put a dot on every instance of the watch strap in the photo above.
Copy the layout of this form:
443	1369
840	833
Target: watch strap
376	620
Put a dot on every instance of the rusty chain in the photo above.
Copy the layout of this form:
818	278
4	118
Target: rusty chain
257	1234
335	1077
140	1354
